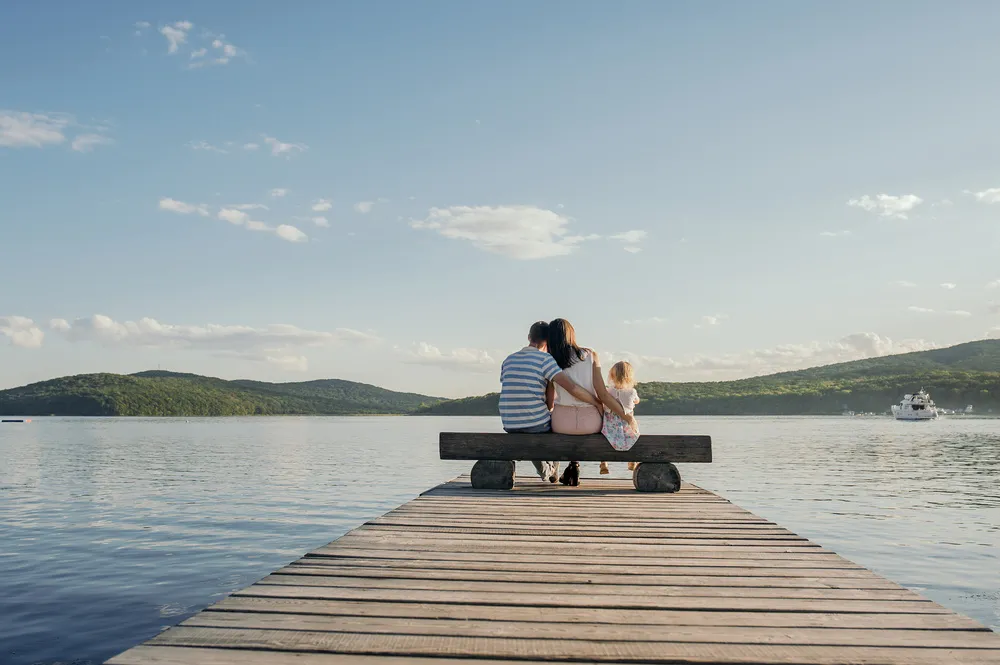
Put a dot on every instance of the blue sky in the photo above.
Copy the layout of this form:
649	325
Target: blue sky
392	192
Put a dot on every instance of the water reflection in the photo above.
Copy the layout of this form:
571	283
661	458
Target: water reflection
111	529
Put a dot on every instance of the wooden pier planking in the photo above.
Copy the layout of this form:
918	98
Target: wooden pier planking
545	573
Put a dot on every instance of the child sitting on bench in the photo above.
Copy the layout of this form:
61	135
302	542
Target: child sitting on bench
621	385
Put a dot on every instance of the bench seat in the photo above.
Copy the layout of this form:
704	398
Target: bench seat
496	454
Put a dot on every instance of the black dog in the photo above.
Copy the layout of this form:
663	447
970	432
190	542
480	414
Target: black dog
571	476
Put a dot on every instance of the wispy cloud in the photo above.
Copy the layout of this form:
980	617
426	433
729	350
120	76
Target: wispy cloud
320	221
278	192
87	142
278	344
173	205
237	216
835	234
995	284
22	129
465	360
251	146
991	195
711	321
248	206
781	358
920	310
322	205
631	240
279	148
958	312
518	231
364	207
206	146
904	284
21	331
948	286
887	205
176	34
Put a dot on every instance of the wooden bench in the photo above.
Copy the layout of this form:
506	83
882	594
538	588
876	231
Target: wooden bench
495	455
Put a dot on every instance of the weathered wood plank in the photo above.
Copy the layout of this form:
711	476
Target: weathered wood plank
550	568
641	546
537	535
568	576
172	655
557	588
563	448
722	603
557	650
642	620
946	639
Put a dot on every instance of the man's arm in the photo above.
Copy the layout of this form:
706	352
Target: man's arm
574	389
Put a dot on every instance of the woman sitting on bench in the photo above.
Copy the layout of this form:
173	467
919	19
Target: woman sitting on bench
570	415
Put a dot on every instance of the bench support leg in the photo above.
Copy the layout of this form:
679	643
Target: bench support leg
656	477
488	474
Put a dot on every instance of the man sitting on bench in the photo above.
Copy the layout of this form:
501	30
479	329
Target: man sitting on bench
524	378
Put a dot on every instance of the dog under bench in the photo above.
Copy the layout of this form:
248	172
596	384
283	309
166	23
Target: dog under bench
495	455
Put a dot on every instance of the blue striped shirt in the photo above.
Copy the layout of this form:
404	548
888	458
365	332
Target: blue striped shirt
523	378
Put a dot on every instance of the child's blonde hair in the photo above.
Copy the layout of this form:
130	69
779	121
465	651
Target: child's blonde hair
622	375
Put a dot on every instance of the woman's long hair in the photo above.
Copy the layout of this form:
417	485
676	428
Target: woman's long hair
562	343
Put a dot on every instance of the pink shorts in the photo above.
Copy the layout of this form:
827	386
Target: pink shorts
576	419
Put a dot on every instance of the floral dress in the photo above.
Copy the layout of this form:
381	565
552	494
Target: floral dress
616	430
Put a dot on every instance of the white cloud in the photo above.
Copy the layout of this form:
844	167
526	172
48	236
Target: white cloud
631	249
948	286
364	207
290	233
248	206
958	312
258	226
519	231
291	363
920	310
991	195
835	234
183	208
630	237
234	216
87	142
278	192
466	360
142	25
709	321
275	344
321	221
199	53
21	331
904	284
205	145
176	35
251	146
322	205
280	148
887	205
781	358
19	129
995	284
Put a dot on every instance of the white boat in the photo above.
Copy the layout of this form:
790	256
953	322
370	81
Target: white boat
918	406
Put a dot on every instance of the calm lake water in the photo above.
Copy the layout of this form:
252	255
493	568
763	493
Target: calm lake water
112	529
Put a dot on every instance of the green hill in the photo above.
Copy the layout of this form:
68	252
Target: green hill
955	376
157	393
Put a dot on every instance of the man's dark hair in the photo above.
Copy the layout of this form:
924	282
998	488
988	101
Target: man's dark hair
539	332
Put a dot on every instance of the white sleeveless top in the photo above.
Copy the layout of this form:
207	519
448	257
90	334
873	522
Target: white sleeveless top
583	373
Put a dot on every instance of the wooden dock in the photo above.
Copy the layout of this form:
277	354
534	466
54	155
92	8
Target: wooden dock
543	573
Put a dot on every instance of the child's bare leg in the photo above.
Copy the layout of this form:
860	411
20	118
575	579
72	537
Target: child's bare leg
604	468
